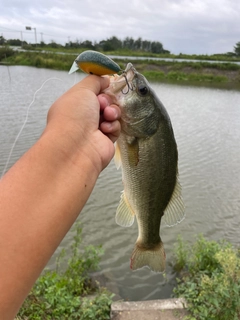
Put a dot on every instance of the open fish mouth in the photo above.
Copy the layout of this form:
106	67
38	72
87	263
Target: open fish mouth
124	82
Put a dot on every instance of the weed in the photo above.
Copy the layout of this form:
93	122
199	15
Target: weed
154	75
63	295
210	279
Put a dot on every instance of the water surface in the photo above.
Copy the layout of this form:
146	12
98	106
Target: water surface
206	125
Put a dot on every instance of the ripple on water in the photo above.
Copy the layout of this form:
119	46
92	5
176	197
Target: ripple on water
207	131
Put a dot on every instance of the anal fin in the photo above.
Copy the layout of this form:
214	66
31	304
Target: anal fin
125	214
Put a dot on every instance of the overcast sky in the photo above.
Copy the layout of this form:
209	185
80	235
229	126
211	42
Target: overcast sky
186	26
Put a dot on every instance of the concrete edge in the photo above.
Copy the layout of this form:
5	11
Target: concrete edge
163	304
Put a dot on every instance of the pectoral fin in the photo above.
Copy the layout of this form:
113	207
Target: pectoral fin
117	157
175	210
125	214
133	152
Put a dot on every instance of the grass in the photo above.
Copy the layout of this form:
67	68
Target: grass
163	71
209	279
64	293
41	60
139	53
182	76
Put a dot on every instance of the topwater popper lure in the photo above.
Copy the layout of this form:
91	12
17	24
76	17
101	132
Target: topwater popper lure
93	62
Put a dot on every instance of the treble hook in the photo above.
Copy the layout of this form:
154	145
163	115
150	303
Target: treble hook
128	84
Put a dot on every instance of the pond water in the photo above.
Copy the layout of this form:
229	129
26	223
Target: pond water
206	125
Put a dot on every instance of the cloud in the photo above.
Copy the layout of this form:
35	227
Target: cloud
196	26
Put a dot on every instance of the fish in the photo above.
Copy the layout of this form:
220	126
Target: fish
94	62
146	150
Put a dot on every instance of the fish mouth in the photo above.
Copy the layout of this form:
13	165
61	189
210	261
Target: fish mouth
124	82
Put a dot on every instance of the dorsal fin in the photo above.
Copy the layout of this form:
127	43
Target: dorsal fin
175	210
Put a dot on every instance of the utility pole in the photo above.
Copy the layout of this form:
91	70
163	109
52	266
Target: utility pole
35	36
21	39
35	30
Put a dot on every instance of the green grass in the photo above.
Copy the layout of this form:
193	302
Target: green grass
41	60
139	53
162	71
63	293
154	76
5	52
179	76
179	65
210	279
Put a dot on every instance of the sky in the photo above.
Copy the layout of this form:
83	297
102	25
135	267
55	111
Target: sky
182	26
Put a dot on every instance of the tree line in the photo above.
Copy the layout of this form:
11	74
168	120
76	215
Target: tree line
237	49
110	44
129	43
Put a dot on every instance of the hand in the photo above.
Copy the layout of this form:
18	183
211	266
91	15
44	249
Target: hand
45	190
87	119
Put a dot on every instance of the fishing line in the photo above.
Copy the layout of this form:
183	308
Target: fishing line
24	123
10	80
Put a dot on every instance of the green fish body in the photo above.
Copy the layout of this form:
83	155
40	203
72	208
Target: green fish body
147	152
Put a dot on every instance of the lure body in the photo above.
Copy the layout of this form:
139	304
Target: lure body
93	62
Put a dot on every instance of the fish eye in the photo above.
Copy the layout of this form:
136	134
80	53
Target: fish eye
143	90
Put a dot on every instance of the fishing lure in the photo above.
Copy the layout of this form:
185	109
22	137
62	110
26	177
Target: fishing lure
93	62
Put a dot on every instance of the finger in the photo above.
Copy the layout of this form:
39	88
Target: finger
94	83
111	113
104	101
111	129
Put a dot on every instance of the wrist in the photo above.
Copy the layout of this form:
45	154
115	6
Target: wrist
72	150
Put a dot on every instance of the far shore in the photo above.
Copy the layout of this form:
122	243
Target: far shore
222	74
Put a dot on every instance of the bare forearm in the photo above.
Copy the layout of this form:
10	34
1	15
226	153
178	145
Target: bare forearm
42	196
44	192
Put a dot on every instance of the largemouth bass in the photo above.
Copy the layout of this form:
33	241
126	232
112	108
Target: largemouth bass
147	152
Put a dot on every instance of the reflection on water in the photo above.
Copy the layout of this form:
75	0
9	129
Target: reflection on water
206	126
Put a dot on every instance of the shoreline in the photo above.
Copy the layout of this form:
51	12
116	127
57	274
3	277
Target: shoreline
222	75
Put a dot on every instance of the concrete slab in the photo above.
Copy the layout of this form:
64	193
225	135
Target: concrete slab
169	309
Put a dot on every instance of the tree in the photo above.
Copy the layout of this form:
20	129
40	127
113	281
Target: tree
237	49
138	44
111	44
128	43
87	44
146	45
156	47
14	42
53	44
42	44
2	40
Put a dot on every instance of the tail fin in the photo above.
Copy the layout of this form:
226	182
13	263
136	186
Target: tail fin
153	258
